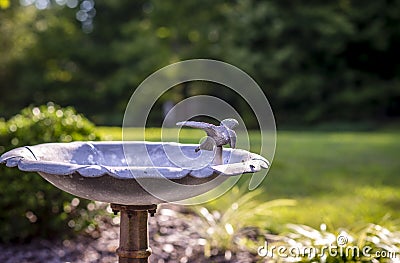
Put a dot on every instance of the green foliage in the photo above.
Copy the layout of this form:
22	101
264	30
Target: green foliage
317	61
30	206
226	221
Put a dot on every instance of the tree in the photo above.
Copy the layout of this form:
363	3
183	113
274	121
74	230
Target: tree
316	61
320	61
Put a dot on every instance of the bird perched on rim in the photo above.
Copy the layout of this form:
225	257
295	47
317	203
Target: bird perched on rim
216	135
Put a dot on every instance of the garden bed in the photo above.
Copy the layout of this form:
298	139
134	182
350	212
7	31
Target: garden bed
172	239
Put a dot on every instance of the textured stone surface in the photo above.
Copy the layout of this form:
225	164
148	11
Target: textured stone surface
127	160
132	173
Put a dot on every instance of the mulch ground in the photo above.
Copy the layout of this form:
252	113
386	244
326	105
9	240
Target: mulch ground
172	239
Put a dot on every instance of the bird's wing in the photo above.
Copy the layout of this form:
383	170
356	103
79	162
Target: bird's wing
230	123
210	129
232	138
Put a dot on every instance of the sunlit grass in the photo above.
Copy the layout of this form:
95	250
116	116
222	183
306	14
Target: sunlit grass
152	134
339	179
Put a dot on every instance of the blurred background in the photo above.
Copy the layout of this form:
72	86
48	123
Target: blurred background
329	69
318	62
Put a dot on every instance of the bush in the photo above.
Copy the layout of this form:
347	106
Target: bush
30	206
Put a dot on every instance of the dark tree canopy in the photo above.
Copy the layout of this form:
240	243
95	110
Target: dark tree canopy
317	61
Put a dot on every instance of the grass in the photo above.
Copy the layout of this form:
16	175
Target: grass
340	179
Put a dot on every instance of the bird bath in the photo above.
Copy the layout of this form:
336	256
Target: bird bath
117	173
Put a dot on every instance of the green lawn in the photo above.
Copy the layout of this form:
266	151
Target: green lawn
338	178
341	179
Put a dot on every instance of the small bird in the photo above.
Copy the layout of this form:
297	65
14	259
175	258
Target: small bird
216	135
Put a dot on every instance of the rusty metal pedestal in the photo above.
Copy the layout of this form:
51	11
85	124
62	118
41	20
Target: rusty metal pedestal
134	236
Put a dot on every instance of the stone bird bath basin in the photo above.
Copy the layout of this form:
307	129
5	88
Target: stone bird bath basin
101	171
121	173
136	176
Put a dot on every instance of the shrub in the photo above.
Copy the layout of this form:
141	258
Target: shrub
30	206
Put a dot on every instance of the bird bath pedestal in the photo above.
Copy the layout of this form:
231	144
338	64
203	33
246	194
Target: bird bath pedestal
134	237
134	177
